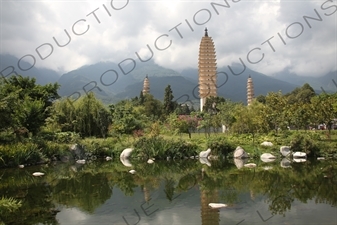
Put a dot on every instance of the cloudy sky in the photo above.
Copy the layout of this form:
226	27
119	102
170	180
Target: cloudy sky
268	35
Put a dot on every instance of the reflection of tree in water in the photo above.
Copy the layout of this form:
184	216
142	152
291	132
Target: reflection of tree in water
86	192
303	182
125	182
91	186
169	188
34	193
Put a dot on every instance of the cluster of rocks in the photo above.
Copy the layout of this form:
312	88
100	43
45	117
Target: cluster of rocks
241	157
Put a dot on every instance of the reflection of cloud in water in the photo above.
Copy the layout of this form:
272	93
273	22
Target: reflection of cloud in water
71	214
185	209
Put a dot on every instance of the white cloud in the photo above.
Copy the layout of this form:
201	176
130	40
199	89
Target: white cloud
236	30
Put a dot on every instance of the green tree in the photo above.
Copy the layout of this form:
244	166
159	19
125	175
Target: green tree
87	116
302	94
153	108
261	98
183	109
141	98
169	104
226	112
24	105
251	119
212	103
276	104
301	115
125	117
324	108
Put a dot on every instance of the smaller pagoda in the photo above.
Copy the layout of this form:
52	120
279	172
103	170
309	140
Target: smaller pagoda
250	90
146	85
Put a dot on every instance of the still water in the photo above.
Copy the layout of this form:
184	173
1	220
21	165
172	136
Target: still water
175	192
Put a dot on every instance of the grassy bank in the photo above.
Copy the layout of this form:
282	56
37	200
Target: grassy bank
55	146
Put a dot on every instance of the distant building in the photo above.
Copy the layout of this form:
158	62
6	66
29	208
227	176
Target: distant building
146	85
250	90
207	69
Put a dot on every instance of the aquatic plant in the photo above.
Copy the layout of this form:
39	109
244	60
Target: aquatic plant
9	205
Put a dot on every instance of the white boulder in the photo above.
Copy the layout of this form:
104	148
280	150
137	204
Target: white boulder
320	158
217	205
297	155
126	153
132	171
267	167
150	161
204	154
240	153
108	158
285	150
267	143
38	174
80	161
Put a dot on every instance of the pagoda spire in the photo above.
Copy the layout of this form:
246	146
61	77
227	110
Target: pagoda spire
146	85
207	69
250	90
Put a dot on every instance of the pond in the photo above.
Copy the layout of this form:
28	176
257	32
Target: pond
173	192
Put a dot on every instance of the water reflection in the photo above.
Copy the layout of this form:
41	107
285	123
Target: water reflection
92	187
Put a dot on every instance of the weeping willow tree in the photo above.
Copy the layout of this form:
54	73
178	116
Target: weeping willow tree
87	116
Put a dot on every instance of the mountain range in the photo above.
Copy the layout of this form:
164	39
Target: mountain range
113	86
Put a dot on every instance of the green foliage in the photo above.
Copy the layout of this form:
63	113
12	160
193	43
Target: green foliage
324	108
154	129
87	116
20	153
153	108
7	136
169	105
103	147
9	205
301	95
220	146
161	148
59	137
305	143
182	123
211	105
24	104
126	118
227	112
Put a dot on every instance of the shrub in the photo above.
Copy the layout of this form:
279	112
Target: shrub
220	146
59	137
20	153
101	147
7	137
160	148
9	205
305	143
